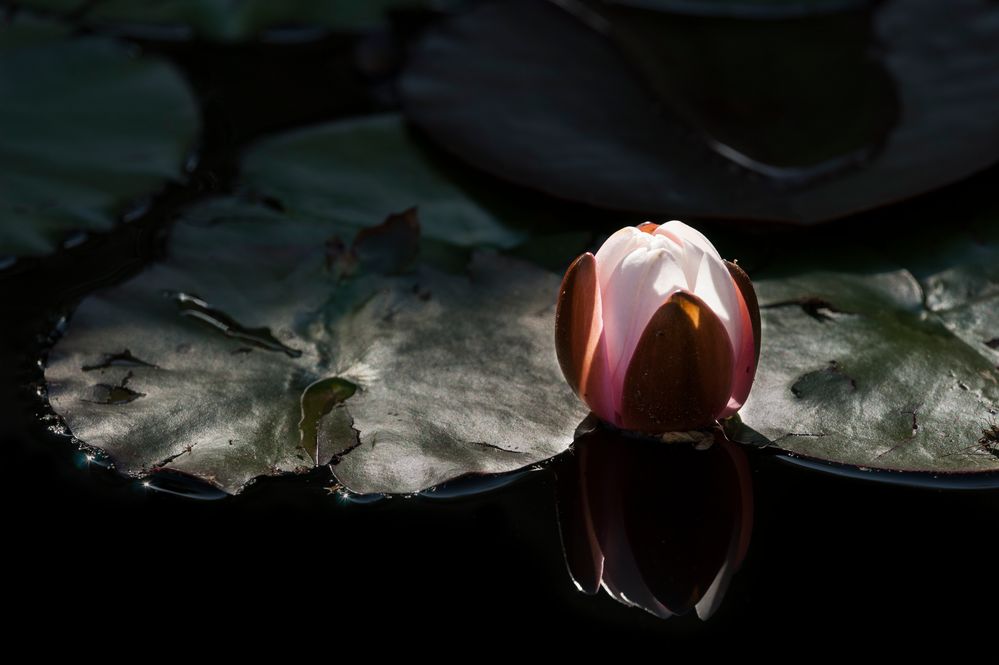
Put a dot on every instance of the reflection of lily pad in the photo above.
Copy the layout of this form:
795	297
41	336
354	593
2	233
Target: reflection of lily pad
860	366
253	333
88	127
529	92
354	172
224	20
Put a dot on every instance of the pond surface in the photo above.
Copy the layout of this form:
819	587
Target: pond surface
829	552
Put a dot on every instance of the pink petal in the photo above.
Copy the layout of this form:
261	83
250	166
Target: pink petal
695	247
744	369
599	390
688	234
715	287
615	248
639	285
579	338
638	268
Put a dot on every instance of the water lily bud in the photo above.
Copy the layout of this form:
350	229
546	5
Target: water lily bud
656	332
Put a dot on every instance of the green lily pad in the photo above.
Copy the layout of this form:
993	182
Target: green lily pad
960	280
355	171
457	374
864	364
269	342
89	127
224	20
544	95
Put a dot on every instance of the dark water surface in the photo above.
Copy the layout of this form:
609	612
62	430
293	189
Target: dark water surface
826	554
830	556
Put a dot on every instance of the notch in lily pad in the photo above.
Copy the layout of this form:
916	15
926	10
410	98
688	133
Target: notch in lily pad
390	248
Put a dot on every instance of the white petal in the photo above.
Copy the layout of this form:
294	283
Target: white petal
639	285
615	248
688	234
715	287
691	260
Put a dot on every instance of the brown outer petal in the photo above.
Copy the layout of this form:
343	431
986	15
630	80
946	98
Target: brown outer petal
648	227
745	286
680	376
575	337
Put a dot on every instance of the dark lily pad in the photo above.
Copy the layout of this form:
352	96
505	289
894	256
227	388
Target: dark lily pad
88	128
252	350
223	20
357	171
756	9
769	113
545	97
863	364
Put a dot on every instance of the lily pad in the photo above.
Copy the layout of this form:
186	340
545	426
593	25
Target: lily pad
88	128
356	171
769	113
224	20
756	9
546	98
456	375
960	280
860	366
270	343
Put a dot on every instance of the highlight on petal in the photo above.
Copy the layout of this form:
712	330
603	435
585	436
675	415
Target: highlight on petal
694	247
748	353
639	286
749	299
688	234
621	243
680	374
578	321
599	390
579	337
715	287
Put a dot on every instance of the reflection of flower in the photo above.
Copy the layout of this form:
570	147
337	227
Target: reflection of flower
661	527
656	332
